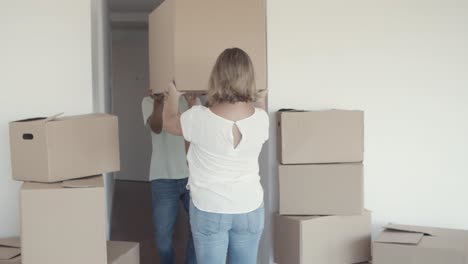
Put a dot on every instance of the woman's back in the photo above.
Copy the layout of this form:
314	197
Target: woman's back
226	142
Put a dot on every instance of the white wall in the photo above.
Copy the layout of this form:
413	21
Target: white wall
405	62
46	68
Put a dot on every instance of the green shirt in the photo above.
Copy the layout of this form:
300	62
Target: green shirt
168	160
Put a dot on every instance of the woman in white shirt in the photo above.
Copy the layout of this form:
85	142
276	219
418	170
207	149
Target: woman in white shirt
226	137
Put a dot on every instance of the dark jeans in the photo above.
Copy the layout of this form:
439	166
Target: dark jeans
166	196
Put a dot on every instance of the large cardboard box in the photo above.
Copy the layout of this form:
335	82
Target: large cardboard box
55	149
405	244
10	252
333	136
323	239
186	37
120	252
325	189
63	222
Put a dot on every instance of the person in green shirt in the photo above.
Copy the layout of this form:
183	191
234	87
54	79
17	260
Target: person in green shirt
168	176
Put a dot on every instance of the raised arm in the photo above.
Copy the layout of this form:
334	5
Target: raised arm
155	121
171	115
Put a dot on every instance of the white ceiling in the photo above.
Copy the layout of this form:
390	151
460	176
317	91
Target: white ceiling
122	6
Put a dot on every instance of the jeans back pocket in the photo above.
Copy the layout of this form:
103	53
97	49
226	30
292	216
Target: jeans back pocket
204	222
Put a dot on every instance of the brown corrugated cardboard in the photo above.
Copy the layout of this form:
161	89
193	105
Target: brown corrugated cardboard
63	222
10	250
326	239
186	37
321	189
119	252
334	136
56	149
132	221
404	244
161	37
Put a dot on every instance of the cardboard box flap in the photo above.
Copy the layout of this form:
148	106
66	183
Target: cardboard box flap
85	116
12	242
399	237
90	182
9	253
118	249
413	229
30	120
51	118
290	110
59	117
39	119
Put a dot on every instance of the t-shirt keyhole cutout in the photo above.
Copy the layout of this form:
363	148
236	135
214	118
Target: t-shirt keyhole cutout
237	136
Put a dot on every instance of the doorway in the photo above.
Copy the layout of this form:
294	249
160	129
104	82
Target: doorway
131	217
131	213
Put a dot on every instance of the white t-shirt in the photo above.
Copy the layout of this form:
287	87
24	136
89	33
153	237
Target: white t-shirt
168	160
223	178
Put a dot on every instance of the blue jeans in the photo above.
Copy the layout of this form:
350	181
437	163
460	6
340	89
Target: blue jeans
166	196
234	237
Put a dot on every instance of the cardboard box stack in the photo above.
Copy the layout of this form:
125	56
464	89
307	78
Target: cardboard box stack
63	206
321	187
186	37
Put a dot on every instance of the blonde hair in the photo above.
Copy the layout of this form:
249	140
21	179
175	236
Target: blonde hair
232	79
